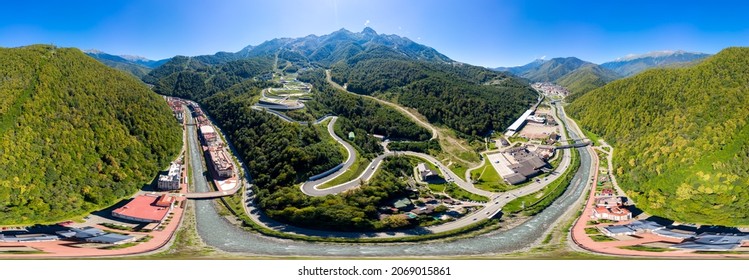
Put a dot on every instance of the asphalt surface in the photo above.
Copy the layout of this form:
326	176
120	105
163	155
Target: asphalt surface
310	187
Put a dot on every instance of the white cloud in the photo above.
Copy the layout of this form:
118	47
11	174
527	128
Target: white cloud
399	28
418	38
366	23
543	57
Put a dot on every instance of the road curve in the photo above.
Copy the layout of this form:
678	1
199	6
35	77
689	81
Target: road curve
310	187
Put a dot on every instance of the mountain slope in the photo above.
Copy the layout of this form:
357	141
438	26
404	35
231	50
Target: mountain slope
585	79
368	62
681	137
135	65
75	135
633	64
550	70
517	70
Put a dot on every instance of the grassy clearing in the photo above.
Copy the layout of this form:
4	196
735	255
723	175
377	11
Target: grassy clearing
646	248
592	136
356	169
487	178
437	188
458	193
459	169
592	230
601	238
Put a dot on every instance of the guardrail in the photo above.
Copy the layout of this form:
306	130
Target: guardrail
326	173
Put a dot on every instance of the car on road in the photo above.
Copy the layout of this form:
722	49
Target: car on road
487	212
496	202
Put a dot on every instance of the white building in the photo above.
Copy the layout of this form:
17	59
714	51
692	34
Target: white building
171	180
518	124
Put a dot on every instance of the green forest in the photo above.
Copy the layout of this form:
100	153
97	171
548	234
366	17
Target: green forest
471	100
681	137
281	155
75	135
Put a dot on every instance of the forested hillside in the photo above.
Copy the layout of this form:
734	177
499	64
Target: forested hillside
472	100
75	135
634	64
585	79
137	66
681	137
193	78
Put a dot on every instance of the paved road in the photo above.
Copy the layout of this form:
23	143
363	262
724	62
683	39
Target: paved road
310	187
396	106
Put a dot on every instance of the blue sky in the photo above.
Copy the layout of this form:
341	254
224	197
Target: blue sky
486	33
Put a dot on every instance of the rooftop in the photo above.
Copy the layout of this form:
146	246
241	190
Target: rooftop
519	122
220	159
143	207
645	225
110	238
205	129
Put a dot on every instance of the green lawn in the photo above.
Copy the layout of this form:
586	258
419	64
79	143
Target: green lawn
601	238
487	178
438	188
460	194
459	169
646	248
356	169
592	230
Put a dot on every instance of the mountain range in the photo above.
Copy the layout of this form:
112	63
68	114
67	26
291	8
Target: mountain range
136	65
581	76
369	63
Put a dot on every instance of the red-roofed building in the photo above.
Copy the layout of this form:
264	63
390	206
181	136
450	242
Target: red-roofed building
164	201
607	192
146	209
614	213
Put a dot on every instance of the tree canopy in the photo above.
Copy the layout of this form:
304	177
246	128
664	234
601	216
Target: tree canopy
75	135
681	137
